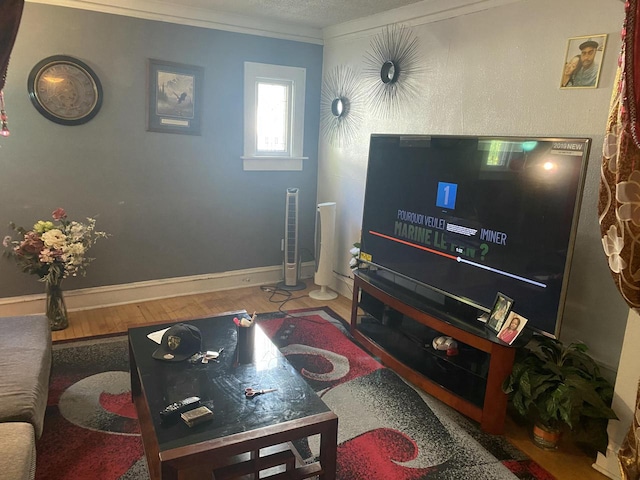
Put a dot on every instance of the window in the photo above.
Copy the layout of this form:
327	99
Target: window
273	117
272	130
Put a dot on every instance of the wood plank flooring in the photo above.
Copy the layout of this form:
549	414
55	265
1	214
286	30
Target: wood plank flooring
567	462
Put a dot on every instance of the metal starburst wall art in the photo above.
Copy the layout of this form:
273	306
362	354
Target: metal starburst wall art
340	105
391	68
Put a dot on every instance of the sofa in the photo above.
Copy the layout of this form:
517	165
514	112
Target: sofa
25	367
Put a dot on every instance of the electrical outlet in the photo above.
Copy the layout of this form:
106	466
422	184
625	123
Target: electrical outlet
246	279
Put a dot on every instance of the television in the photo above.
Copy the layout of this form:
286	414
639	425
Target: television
462	218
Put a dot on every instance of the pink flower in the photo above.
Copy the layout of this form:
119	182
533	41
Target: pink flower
6	241
32	244
59	213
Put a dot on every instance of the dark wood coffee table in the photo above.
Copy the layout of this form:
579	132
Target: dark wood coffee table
245	436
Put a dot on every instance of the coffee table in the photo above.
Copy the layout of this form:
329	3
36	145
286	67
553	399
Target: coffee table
245	436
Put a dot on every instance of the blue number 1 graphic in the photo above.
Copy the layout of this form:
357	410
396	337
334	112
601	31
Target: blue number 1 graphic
447	195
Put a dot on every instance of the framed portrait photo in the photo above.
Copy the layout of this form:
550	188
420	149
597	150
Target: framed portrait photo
583	61
512	328
174	94
499	313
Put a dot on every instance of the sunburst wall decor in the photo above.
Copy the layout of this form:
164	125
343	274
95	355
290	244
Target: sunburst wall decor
391	68
340	105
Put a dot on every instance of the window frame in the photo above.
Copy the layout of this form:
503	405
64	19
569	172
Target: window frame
253	159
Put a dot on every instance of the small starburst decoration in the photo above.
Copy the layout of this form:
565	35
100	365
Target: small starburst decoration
391	69
340	105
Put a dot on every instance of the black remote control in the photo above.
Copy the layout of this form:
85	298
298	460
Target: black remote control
179	407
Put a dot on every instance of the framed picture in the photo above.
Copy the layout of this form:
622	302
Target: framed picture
499	312
583	61
512	328
174	97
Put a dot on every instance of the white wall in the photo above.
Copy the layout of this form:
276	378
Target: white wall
624	398
490	72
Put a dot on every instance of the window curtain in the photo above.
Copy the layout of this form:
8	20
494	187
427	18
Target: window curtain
10	15
619	199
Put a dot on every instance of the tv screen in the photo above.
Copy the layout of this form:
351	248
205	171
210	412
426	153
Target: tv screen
469	217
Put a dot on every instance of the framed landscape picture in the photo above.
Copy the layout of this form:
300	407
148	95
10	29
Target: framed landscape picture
174	97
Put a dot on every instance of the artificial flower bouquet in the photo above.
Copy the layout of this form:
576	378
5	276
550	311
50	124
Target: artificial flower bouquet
53	250
355	256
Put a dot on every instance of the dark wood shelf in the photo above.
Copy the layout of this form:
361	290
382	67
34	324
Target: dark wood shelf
398	327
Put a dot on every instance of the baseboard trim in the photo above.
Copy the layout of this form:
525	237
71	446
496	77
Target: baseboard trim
608	464
111	295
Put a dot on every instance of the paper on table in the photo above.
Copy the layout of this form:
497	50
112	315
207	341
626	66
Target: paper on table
157	336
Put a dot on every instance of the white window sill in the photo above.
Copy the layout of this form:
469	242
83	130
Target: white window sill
272	163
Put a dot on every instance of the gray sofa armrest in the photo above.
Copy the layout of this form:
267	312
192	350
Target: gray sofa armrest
18	447
25	367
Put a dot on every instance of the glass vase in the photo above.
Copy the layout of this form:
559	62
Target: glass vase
56	308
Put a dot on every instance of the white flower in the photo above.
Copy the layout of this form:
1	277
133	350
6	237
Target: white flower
54	238
75	249
613	245
628	194
6	241
76	231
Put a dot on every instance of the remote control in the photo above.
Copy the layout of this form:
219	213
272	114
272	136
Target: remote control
179	407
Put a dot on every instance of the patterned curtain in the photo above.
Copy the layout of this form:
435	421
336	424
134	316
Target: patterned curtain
10	15
619	202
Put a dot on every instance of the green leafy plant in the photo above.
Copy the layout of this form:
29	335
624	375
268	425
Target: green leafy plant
557	386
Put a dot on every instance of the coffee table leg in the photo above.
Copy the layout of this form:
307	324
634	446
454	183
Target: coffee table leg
328	451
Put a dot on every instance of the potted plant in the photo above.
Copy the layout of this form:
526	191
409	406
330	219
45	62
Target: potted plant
560	387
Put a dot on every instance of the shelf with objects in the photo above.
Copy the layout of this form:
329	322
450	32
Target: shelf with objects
399	326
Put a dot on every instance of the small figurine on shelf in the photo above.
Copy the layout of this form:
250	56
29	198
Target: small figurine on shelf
447	344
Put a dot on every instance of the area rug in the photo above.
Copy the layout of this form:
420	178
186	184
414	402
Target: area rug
387	429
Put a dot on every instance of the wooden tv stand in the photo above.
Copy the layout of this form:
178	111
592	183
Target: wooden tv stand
398	327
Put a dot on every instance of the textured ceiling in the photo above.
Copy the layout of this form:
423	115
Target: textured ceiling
310	13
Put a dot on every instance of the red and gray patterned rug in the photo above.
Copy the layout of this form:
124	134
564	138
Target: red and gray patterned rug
387	428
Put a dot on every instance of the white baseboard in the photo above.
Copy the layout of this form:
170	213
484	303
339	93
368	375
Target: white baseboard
608	464
98	297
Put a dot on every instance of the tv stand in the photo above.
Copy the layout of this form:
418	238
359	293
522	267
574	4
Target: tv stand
398	326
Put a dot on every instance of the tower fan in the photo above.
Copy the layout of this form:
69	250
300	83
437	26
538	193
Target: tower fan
325	233
291	255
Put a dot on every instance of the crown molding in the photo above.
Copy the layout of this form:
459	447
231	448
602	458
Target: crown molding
426	11
423	12
195	17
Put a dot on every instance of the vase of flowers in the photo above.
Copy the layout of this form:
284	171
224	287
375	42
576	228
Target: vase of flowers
54	251
56	309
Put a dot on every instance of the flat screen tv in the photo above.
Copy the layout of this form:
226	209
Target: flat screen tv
468	217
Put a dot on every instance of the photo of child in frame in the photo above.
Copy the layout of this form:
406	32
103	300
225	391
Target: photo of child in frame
512	328
501	308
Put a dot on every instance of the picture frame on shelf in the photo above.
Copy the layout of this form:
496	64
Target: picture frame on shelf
583	61
512	327
174	97
499	313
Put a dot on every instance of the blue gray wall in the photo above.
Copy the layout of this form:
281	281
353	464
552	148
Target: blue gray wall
175	205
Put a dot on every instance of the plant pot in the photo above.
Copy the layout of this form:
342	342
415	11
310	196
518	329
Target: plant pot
545	437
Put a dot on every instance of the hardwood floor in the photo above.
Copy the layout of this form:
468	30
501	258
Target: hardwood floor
567	462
